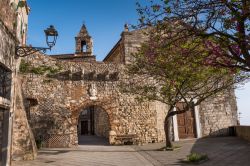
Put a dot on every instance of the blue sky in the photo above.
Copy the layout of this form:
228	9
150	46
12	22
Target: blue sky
105	21
243	102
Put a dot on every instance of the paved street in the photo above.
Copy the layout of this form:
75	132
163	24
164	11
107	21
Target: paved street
224	151
221	151
90	156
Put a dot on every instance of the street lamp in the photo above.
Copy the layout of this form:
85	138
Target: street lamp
51	36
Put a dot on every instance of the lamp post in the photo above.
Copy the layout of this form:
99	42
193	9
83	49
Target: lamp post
51	36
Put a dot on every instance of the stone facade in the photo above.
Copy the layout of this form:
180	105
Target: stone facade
7	66
23	142
218	113
62	96
11	35
127	45
102	125
58	88
97	121
215	114
8	16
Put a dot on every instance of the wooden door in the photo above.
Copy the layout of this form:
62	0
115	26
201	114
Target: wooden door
186	123
84	127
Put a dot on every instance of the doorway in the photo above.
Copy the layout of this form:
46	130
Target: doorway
186	123
4	121
84	127
93	126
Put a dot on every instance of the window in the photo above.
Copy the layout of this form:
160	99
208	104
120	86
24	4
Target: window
5	82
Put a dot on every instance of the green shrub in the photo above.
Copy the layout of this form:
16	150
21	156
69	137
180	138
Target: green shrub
195	157
24	66
38	70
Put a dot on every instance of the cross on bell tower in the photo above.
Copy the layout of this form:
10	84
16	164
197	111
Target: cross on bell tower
84	42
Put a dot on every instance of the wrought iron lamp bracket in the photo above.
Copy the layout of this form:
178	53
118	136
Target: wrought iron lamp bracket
22	51
51	36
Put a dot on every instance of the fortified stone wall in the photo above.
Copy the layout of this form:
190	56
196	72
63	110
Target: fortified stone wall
62	89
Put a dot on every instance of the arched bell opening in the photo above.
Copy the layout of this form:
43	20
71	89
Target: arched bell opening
83	46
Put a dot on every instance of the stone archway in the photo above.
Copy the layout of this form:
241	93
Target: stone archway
93	126
94	118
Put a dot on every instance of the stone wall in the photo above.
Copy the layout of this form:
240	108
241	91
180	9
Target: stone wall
116	55
22	136
23	142
132	41
63	88
7	47
102	124
7	15
243	132
126	46
218	113
7	68
15	18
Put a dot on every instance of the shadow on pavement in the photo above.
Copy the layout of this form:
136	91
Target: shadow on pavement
221	151
92	140
52	152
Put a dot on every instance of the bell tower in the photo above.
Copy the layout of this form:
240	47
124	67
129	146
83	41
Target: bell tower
84	43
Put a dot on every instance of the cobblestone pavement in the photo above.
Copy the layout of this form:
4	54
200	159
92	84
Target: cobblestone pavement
224	151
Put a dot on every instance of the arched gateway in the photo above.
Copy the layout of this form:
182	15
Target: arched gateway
92	121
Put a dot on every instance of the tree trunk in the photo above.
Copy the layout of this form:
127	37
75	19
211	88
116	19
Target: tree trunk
167	129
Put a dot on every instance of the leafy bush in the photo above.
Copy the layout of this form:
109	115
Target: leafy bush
38	70
195	157
25	67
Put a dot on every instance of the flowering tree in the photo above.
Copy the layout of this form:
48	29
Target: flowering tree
223	24
174	73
